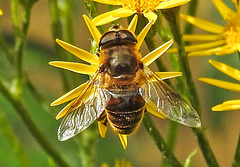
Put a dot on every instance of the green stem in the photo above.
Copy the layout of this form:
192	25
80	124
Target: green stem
87	146
91	8
89	5
57	32
161	67
236	161
10	56
205	147
172	135
162	146
67	21
149	39
37	134
172	15
7	50
19	44
13	142
171	139
192	6
173	126
66	18
151	46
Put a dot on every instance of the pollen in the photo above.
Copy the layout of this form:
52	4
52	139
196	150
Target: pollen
232	29
141	6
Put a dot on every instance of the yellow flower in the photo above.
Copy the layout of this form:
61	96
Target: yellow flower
222	40
129	7
232	72
1	12
119	163
94	61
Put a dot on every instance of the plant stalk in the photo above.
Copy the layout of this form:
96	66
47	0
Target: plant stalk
32	127
172	16
158	139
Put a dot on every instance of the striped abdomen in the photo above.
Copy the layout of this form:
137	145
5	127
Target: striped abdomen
125	111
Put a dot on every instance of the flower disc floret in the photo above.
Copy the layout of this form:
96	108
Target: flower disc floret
141	6
232	29
130	7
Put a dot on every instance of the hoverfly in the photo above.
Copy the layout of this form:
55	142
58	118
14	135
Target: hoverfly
121	88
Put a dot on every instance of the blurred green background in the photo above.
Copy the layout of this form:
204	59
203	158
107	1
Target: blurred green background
222	128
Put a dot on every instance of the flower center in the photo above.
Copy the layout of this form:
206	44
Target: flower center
141	6
232	29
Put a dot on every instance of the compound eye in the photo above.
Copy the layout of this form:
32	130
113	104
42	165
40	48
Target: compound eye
117	35
125	34
107	37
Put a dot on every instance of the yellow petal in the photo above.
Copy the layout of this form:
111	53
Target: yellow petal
233	102
1	12
123	13
226	51
168	75
93	29
150	16
226	107
123	139
221	84
132	26
152	108
202	37
105	17
151	57
109	2
171	4
117	163
75	67
122	163
203	24
222	8
102	128
208	52
201	47
205	45
232	72
143	33
64	111
104	165
80	53
70	95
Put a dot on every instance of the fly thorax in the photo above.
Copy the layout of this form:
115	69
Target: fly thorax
121	64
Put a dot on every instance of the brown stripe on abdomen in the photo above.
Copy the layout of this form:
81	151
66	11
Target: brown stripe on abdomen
125	112
125	122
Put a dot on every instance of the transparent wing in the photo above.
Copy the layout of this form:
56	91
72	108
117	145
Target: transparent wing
85	109
157	92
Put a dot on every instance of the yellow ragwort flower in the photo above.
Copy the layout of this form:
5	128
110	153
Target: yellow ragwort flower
119	163
222	40
232	72
91	69
129	7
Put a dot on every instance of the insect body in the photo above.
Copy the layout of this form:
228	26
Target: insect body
120	90
121	62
